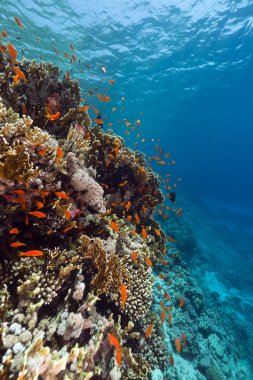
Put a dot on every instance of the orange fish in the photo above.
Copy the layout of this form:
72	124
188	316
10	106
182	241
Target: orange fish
164	262
115	226
123	292
67	229
99	121
171	360
177	344
42	152
111	81
129	217
126	132
59	154
161	162
38	214
12	52
33	253
113	341
144	233
137	218
54	116
179	212
128	205
14	231
165	294
184	340
66	55
19	73
158	232
133	232
181	302
162	317
148	261
84	108
18	22
39	205
49	232
171	239
169	317
118	356
17	244
134	256
149	331
67	214
60	194
4	33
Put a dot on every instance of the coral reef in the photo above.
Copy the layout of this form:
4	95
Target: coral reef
75	204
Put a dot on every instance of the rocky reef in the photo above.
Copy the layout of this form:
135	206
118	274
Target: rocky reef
78	238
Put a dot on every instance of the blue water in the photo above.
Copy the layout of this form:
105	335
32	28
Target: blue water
185	70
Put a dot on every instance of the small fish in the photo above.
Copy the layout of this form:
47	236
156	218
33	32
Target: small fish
19	73
103	68
171	239
177	344
72	47
162	317
67	214
12	52
14	231
137	218
74	58
118	356
39	205
4	33
183	339
43	151
127	205
179	212
57	51
111	81
113	340
123	99
115	226
149	331
123	292
66	55
60	194
181	302
49	232
18	22
134	256
67	229
99	121
129	217
84	108
171	360
133	232
165	294
144	233
32	253
59	154
38	214
53	117
158	232
17	244
148	261
161	162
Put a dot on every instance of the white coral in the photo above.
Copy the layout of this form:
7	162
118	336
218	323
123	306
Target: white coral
81	181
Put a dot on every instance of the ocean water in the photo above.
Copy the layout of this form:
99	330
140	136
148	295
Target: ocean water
184	69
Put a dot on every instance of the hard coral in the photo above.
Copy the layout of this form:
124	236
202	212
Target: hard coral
63	186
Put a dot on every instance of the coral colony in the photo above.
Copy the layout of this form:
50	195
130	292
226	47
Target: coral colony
77	236
79	297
